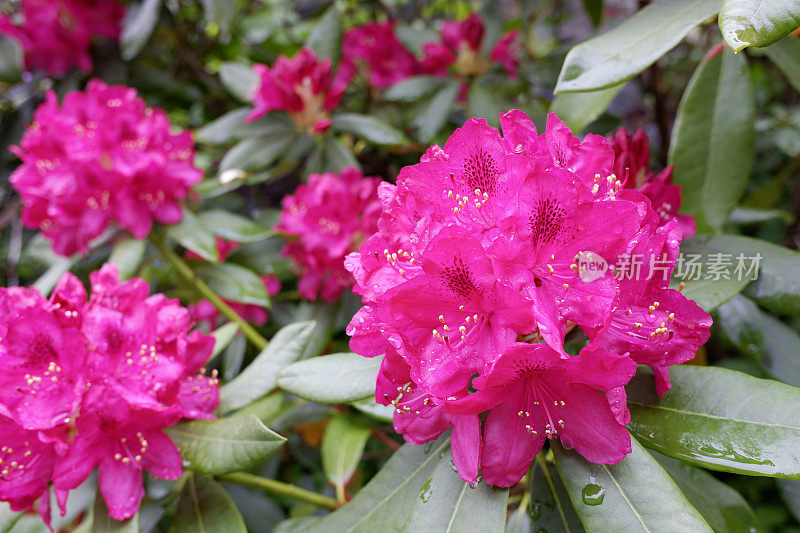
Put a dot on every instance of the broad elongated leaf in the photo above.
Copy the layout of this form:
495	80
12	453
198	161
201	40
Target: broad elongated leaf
719	419
205	506
446	503
139	23
578	110
223	129
223	336
370	128
260	152
326	37
335	378
233	227
342	446
713	139
481	103
224	445
368	406
337	156
239	79
102	523
723	508
219	13
127	254
620	54
260	377
550	506
385	502
635	494
10	59
194	236
414	88
786	56
434	114
235	283
757	22
790	492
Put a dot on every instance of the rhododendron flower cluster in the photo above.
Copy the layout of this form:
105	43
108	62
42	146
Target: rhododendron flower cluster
303	86
93	383
632	162
375	47
328	218
56	34
102	156
461	48
489	253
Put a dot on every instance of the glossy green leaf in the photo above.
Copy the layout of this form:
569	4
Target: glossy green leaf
224	445
11	62
594	8
127	254
334	378
258	153
481	103
719	419
414	88
385	502
225	128
233	227
342	445
326	37
790	493
139	23
235	283
368	406
433	115
223	336
723	508
578	110
635	494
192	235
239	79
266	409
337	156
712	145
370	128
786	56
205	506
260	376
233	358
620	54
102	523
550	506
757	22
300	524
448	504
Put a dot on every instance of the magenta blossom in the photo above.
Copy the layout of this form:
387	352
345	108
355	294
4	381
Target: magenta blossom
303	86
103	156
56	34
328	218
492	244
375	48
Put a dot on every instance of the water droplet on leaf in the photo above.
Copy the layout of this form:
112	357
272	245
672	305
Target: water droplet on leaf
593	494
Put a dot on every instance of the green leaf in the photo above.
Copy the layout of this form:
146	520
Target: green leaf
337	156
258	153
224	445
550	507
757	22
47	281
192	235
223	336
368	406
102	523
434	114
127	254
219	13
446	503
233	227
632	495
239	79
260	377
370	128
723	508
620	54
578	110
334	378
140	21
719	419
326	37
481	103
342	446
299	524
223	129
205	506
415	37
235	283
385	502
594	8
11	62
786	56
413	88
712	144
790	493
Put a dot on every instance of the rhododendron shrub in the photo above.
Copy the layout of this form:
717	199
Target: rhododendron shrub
101	157
374	50
92	382
479	271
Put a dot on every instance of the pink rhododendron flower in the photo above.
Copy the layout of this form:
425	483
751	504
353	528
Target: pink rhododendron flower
56	34
328	217
102	156
632	164
488	253
303	86
382	55
94	384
